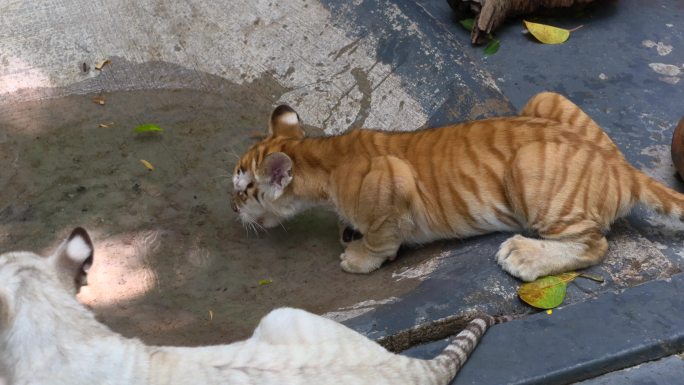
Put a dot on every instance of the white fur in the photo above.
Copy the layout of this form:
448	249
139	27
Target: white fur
289	118
241	180
272	191
272	209
78	250
51	339
481	323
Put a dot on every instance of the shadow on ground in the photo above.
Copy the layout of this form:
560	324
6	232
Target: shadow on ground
173	266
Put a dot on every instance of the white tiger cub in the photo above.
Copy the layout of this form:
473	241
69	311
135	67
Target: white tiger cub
47	337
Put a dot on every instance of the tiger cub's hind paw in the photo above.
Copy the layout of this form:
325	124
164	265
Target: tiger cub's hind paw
522	258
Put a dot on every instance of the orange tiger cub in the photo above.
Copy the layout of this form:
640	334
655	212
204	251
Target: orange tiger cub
551	170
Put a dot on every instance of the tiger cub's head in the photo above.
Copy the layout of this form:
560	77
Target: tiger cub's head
26	276
261	178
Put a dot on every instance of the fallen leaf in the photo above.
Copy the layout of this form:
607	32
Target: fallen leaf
147	128
549	312
211	315
546	292
106	125
467	23
492	47
547	34
147	164
99	100
99	65
265	281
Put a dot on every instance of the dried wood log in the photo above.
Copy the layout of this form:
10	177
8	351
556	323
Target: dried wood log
490	14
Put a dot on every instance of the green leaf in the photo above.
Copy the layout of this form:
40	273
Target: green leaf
467	23
147	128
265	282
546	292
492	47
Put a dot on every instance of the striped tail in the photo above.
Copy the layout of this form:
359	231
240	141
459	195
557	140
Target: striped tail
454	356
659	197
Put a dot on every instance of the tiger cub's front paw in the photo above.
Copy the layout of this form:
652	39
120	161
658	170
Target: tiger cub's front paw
357	261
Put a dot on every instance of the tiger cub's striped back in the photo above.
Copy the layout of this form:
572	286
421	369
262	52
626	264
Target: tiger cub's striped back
552	106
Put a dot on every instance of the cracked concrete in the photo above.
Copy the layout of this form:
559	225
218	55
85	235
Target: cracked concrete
295	42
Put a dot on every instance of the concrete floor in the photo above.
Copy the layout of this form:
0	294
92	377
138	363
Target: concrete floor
174	266
170	250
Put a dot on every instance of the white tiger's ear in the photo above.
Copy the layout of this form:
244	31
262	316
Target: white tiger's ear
73	258
285	122
275	172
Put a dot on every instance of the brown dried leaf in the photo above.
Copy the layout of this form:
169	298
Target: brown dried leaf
99	99
106	125
99	65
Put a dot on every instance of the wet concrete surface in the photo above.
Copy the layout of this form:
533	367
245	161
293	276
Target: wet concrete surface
173	265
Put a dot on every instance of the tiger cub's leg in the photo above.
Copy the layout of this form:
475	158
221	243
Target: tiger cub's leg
529	259
348	233
379	212
567	193
553	106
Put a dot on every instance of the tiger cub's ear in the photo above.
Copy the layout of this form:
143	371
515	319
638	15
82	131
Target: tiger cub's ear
73	258
275	173
285	122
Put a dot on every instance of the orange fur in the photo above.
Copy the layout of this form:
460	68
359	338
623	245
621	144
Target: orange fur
551	169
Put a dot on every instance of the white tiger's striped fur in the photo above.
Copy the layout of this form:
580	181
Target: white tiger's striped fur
47	337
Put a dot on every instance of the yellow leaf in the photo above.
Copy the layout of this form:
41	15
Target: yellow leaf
147	164
546	33
99	65
549	312
265	282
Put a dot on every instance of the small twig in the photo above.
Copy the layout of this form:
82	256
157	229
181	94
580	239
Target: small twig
432	331
592	277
